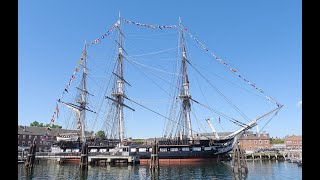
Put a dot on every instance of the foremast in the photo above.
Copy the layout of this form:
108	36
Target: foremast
83	101
80	109
184	94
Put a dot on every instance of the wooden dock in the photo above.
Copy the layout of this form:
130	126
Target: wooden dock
283	155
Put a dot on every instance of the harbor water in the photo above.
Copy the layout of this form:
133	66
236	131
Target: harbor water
258	169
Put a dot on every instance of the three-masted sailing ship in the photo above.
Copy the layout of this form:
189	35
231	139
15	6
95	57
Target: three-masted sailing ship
181	143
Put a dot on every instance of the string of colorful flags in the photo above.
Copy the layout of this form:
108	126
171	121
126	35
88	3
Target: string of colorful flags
56	112
149	25
233	70
106	34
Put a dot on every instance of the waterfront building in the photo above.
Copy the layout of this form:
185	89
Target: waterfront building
254	141
293	142
42	135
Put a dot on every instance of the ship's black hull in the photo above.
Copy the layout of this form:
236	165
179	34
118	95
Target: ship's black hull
197	151
172	151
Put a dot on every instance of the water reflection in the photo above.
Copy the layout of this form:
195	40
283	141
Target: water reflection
29	171
269	169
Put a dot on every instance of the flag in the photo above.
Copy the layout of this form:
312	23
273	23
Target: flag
57	110
219	119
45	137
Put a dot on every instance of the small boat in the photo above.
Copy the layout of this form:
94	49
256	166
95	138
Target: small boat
299	162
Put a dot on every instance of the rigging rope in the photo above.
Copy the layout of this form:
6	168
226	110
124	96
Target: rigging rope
147	76
163	116
156	68
152	53
230	82
243	115
204	96
234	70
239	123
269	120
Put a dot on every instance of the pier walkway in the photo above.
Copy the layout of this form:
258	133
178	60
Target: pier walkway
275	155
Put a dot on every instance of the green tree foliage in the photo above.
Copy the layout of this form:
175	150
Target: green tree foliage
37	124
276	141
101	134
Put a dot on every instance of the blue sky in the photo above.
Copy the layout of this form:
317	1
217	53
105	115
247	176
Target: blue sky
262	39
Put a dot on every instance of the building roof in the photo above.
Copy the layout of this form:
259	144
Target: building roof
38	131
294	137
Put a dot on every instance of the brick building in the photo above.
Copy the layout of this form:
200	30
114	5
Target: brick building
26	135
253	141
293	142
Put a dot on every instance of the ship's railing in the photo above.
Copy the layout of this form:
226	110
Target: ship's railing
67	154
174	142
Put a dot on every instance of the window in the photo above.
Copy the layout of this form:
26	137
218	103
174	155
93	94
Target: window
185	149
29	142
266	147
250	147
24	136
266	141
260	142
23	142
35	137
196	149
29	136
255	141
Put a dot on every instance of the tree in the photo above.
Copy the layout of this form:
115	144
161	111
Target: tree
35	123
101	134
53	126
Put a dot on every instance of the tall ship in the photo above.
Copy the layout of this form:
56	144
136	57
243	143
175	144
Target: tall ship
155	70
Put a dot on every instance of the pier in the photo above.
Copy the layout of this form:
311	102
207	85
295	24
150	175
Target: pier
285	155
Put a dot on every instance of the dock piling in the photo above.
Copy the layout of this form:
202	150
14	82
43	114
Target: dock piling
31	155
154	160
84	156
239	164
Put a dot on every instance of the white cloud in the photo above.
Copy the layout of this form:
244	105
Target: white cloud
299	103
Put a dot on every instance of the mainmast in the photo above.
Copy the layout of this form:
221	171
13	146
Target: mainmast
83	101
119	94
185	96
